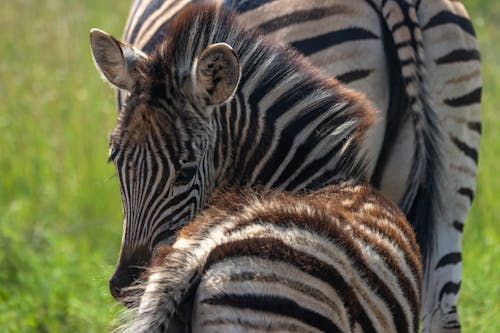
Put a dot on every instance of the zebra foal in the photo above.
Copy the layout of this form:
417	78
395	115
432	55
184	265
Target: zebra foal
217	105
340	259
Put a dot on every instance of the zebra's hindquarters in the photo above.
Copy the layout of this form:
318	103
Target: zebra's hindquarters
342	259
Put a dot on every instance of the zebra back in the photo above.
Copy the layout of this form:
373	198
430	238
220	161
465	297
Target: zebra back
341	259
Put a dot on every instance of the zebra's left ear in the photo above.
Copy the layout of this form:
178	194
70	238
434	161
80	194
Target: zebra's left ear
114	60
216	74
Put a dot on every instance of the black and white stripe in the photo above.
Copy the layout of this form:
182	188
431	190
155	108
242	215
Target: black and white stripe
342	259
287	127
381	48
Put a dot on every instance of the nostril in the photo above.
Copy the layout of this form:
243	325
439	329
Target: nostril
122	279
114	288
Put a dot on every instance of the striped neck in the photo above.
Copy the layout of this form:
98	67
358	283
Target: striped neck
288	126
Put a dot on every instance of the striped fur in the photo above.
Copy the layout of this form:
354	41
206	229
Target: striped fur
341	259
287	127
454	78
382	48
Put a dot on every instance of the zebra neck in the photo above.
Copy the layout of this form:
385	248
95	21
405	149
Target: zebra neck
288	126
290	133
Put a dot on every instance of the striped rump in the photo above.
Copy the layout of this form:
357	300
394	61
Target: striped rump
341	259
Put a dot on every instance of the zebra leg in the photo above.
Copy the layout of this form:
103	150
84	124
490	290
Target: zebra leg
440	289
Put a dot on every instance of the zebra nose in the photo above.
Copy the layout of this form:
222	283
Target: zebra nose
114	289
121	280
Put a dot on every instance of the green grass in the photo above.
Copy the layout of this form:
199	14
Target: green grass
60	211
60	215
480	293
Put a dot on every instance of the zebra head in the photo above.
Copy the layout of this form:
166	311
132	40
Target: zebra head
163	142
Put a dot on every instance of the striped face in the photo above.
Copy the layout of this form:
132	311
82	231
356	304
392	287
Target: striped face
162	170
163	143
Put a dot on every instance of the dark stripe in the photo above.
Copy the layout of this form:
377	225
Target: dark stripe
290	283
150	191
446	17
161	16
327	177
148	11
293	128
133	12
355	75
473	97
398	109
458	226
277	305
461	55
453	310
315	44
450	259
454	326
156	38
265	84
244	6
466	149
449	288
188	198
409	43
119	100
413	62
394	265
475	126
163	236
467	192
277	250
398	25
278	324
301	16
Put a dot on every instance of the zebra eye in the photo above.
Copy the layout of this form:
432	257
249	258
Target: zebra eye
186	174
112	154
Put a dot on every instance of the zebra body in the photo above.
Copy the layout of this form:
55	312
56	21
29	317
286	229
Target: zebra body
341	259
381	48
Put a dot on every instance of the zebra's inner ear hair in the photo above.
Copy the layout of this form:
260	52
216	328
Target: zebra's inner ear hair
216	74
113	59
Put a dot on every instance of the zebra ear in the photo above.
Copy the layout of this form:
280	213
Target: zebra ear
216	74
114	60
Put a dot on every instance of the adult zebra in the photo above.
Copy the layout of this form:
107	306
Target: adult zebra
341	259
381	63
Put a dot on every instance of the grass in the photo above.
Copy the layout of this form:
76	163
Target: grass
60	214
59	202
480	292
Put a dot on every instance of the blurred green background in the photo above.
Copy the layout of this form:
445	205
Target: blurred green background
60	211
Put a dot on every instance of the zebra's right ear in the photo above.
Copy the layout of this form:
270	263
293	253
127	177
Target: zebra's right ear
114	60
